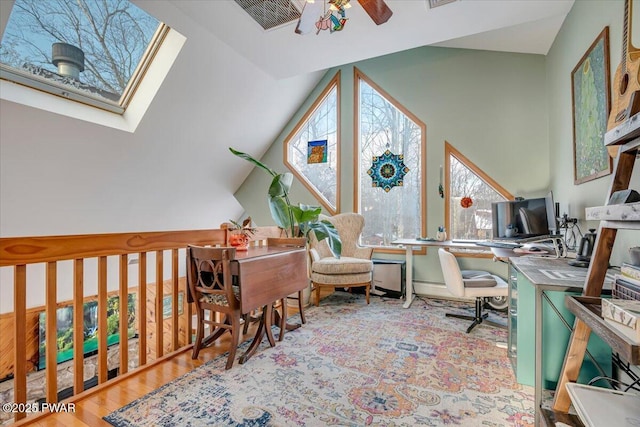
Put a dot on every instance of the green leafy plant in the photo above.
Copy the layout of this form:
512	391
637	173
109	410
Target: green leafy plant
244	228
297	220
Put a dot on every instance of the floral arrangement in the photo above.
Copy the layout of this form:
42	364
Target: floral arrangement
466	202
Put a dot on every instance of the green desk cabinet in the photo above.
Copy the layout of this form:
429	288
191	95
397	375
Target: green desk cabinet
555	333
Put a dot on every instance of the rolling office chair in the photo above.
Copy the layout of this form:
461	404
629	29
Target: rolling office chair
471	283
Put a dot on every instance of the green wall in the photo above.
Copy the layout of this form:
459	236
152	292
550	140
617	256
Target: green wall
489	105
508	113
583	24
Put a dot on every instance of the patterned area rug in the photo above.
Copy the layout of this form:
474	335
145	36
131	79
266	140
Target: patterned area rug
353	364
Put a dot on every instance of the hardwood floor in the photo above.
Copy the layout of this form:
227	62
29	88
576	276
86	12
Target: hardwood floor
95	403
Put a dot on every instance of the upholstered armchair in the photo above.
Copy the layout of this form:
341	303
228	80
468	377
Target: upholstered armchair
354	268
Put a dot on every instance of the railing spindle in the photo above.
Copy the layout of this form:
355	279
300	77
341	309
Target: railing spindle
19	337
78	325
124	314
52	339
175	330
159	304
19	252
142	308
102	320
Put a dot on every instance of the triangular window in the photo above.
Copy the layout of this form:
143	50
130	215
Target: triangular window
465	183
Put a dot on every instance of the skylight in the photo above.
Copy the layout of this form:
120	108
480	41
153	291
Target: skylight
94	52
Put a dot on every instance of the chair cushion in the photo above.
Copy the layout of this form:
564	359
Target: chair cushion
480	282
501	289
339	280
477	279
342	265
219	299
472	274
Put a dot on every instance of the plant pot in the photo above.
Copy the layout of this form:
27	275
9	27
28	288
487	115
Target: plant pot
239	241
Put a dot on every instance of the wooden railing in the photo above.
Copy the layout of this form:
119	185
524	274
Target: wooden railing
17	253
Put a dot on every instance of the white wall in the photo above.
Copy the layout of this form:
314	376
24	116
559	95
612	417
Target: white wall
65	176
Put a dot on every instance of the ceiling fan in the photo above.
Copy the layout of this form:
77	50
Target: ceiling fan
311	14
332	14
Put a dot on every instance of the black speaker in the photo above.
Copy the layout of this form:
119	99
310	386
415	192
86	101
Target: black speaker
624	196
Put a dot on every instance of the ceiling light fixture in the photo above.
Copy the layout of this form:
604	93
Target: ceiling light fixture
323	15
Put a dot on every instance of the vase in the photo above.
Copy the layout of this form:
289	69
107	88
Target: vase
441	236
239	241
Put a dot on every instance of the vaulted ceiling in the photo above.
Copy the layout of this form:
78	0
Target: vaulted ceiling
238	56
523	26
230	72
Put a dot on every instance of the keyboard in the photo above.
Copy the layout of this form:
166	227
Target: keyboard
502	245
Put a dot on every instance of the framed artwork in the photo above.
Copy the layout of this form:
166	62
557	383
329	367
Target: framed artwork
317	151
591	101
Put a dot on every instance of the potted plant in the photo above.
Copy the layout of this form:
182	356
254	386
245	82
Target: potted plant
240	234
296	220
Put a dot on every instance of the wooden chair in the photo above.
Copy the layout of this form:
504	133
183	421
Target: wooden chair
353	269
297	242
211	288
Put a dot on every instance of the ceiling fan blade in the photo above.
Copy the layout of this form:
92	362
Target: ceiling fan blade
377	10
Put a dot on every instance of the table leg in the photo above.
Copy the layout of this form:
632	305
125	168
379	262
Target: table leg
267	318
282	321
409	276
257	339
287	326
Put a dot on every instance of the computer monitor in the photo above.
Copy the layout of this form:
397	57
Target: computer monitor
553	213
528	218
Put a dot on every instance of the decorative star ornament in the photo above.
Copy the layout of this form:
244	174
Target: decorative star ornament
387	171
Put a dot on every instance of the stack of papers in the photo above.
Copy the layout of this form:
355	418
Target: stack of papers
603	407
624	316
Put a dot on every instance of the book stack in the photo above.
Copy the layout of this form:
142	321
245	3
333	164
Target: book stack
627	283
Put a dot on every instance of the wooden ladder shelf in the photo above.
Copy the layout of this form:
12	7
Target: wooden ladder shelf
611	218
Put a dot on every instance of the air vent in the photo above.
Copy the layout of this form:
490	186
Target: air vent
436	3
272	13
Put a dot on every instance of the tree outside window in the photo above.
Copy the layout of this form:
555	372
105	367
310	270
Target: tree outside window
382	125
464	179
319	125
96	49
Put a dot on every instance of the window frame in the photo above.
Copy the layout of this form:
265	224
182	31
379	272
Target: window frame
359	76
334	82
41	84
128	121
449	151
